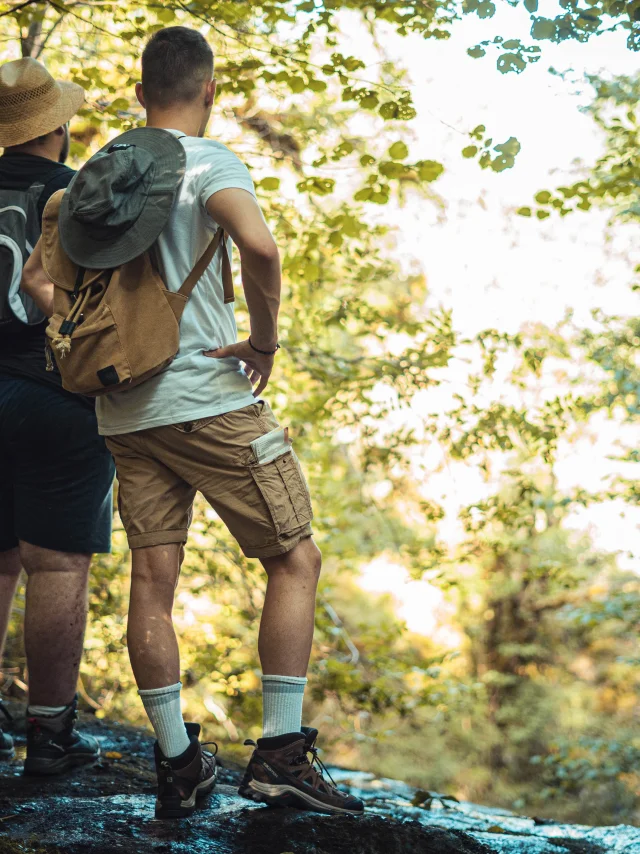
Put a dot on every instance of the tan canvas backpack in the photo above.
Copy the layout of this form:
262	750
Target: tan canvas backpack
113	329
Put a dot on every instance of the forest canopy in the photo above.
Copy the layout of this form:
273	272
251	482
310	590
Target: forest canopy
544	620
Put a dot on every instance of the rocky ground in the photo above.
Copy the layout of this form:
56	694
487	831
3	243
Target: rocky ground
108	808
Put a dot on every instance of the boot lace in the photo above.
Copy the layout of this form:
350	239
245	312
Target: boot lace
316	763
213	744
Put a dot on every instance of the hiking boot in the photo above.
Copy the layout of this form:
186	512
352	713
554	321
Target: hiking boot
185	778
54	744
280	774
6	742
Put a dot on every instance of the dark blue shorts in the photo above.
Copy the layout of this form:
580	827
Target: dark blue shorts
56	474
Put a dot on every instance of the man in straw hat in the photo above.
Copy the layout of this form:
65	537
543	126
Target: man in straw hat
200	425
55	486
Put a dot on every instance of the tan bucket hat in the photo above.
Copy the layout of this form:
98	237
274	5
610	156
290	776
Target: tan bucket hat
32	103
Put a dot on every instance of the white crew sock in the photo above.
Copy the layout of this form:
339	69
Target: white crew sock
45	711
163	707
282	704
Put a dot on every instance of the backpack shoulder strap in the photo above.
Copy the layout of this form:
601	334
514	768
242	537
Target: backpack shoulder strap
219	239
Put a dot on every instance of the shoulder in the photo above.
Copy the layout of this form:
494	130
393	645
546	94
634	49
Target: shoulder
58	178
213	167
210	152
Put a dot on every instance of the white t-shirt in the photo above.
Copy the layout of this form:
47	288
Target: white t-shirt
194	385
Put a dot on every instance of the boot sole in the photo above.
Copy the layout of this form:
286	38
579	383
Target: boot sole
176	808
283	795
34	767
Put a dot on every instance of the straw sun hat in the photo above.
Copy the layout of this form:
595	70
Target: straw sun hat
32	103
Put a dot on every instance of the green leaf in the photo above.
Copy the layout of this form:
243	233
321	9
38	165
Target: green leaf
363	195
398	151
296	84
543	197
389	110
367	160
476	52
311	271
317	85
543	214
524	211
392	169
531	5
511	62
429	170
512	44
317	186
270	183
470	151
370	102
486	9
543	28
509	148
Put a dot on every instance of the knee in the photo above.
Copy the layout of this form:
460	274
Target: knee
157	566
303	562
35	559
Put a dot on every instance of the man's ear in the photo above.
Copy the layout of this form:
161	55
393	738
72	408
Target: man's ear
210	93
140	95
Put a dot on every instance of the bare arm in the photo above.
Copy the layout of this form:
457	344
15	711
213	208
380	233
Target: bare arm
35	282
239	214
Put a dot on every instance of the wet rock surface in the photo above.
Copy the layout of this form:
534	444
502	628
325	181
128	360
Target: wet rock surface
108	808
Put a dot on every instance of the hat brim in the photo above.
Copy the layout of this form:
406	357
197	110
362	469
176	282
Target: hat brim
46	120
93	254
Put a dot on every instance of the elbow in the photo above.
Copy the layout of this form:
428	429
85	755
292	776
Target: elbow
260	250
27	283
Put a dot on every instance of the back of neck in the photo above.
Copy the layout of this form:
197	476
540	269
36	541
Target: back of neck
34	149
174	120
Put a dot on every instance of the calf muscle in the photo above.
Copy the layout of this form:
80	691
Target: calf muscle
55	622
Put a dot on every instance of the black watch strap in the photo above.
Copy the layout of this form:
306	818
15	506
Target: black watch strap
264	352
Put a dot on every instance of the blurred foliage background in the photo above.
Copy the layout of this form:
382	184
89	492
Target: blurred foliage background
535	703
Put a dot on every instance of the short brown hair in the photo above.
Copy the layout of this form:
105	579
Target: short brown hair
175	64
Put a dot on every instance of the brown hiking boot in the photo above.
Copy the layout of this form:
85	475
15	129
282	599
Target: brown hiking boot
54	744
185	778
280	773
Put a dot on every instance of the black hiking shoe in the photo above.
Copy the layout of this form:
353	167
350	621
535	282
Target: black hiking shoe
54	744
183	779
280	773
6	741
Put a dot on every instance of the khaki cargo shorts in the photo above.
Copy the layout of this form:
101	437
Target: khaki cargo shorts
265	506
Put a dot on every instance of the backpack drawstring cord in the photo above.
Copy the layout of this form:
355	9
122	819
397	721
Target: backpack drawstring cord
62	341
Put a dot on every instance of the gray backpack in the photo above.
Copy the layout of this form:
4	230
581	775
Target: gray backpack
19	233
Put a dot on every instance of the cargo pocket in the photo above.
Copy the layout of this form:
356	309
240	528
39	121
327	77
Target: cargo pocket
283	487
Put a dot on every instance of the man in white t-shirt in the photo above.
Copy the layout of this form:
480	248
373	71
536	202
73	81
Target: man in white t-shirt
200	426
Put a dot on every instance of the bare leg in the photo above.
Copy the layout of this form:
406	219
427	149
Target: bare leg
10	567
286	629
55	621
151	638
